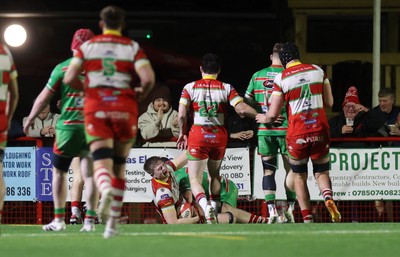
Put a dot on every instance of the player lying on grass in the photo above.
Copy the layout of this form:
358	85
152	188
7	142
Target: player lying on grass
228	212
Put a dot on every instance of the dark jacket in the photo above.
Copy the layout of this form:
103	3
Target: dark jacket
366	124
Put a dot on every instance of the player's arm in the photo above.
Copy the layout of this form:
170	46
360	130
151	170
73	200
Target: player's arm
327	93
180	161
71	76
147	77
170	216
244	109
40	103
182	123
13	97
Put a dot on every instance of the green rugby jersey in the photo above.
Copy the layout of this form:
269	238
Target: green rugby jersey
261	84
228	188
71	99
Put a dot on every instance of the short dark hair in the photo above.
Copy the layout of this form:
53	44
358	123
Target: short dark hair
210	63
386	91
277	47
112	16
150	163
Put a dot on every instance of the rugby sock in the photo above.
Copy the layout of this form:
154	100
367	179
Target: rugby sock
103	179
90	214
75	208
118	187
59	214
290	196
201	199
307	216
215	202
257	219
327	194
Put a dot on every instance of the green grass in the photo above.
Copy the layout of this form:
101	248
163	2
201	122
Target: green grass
261	240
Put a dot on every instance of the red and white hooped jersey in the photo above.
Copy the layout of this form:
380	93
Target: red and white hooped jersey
109	60
209	99
7	71
302	86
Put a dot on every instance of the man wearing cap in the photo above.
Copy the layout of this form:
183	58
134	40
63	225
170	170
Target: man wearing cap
354	121
70	139
159	124
306	91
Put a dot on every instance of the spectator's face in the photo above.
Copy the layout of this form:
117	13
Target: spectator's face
44	113
160	103
350	110
386	103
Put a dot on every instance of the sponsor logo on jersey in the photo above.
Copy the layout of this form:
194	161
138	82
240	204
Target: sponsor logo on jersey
164	196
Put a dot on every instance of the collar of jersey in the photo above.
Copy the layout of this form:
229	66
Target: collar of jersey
112	32
161	182
210	77
293	64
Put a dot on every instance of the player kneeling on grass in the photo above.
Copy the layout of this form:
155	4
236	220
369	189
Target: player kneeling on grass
229	193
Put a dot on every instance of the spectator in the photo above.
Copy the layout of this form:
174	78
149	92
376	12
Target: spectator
242	131
391	116
44	124
159	124
306	91
355	121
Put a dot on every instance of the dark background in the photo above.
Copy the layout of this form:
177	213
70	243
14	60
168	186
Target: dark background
242	34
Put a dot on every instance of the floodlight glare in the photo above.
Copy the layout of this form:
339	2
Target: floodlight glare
15	35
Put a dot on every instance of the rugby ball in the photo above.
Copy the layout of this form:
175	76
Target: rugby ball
185	211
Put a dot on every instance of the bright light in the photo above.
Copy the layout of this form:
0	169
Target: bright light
15	35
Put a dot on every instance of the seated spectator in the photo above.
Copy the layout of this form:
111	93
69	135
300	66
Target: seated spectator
242	131
390	114
44	125
355	121
158	126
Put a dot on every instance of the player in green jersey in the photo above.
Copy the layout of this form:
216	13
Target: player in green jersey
271	139
70	140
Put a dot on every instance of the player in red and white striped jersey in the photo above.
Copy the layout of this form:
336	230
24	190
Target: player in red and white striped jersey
306	91
8	102
111	63
208	99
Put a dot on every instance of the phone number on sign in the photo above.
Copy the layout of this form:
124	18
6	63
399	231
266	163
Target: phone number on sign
375	192
19	191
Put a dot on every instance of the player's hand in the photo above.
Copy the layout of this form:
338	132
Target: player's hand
262	118
140	94
279	120
28	124
181	143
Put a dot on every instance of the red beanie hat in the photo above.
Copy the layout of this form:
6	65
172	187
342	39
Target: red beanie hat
80	36
351	96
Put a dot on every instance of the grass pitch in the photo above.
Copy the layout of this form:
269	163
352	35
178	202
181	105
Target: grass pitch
235	240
